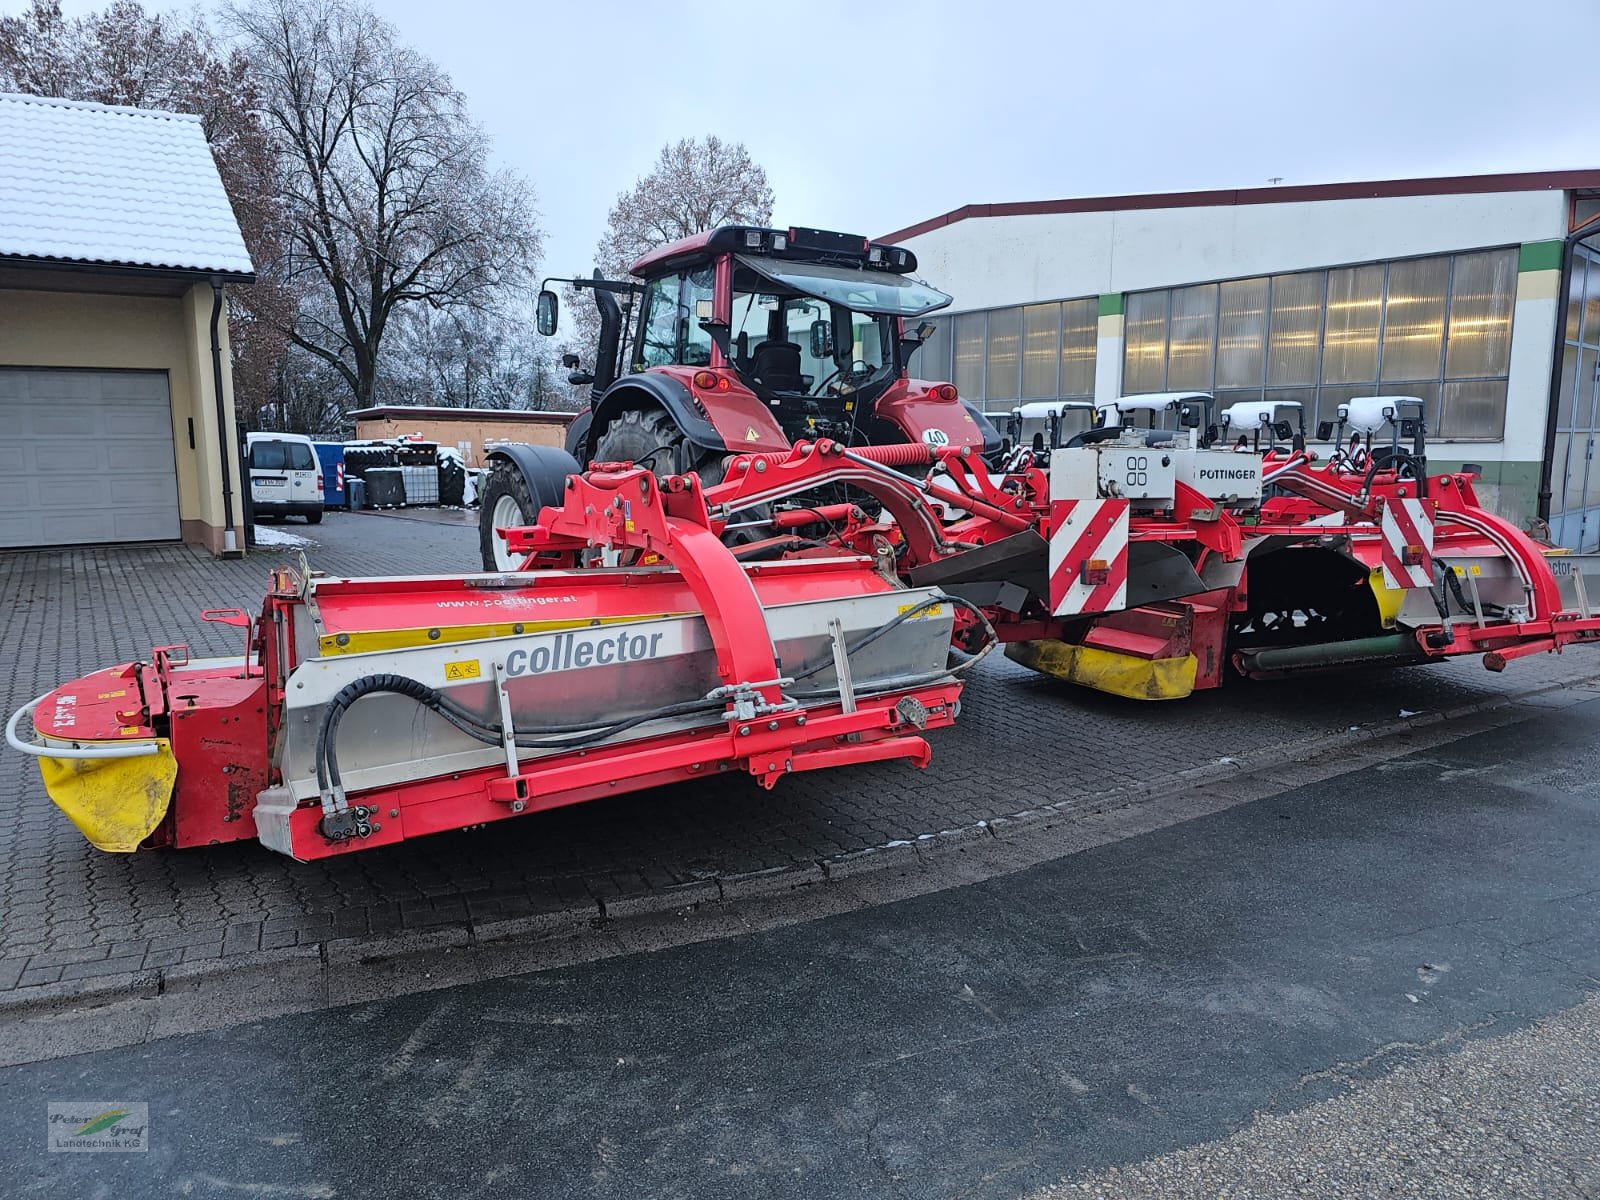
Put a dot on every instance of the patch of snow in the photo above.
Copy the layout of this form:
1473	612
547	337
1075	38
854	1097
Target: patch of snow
266	535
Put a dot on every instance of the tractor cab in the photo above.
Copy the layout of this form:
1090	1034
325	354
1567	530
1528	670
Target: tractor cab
1367	418
1257	426
1154	417
1048	424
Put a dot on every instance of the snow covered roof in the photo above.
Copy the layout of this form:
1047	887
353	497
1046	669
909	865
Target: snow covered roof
97	183
431	412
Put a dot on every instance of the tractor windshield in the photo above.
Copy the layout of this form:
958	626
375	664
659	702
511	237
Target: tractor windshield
870	292
776	331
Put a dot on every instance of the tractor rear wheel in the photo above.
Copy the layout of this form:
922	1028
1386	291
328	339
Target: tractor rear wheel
648	437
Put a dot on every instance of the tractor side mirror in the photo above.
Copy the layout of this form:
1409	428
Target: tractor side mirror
1211	434
569	361
1282	430
547	312
1189	418
1410	427
821	340
1324	431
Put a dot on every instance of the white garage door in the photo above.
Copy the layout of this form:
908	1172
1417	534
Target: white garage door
86	457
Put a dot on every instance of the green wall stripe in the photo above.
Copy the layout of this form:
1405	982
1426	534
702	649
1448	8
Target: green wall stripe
1111	304
1540	256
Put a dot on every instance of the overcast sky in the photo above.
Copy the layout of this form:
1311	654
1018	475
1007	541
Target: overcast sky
872	116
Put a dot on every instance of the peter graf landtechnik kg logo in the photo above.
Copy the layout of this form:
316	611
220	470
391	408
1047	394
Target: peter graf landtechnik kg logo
95	1127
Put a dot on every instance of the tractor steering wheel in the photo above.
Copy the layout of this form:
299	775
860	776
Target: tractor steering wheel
855	370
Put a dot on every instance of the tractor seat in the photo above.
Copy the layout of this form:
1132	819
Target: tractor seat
776	366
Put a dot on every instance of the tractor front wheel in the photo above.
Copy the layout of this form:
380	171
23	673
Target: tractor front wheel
506	502
510	498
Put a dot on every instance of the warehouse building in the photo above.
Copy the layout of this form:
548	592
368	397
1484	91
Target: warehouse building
1447	289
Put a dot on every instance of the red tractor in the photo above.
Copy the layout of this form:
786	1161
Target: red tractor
747	340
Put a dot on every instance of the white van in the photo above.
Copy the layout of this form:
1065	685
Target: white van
285	478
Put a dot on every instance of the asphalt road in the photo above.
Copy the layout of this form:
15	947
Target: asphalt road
1371	985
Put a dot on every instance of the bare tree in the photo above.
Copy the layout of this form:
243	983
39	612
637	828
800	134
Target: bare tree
470	358
124	55
390	199
694	185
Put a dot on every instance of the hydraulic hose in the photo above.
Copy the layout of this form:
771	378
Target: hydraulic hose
490	733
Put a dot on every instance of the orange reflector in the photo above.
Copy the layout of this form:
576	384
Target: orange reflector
1411	556
705	379
1095	571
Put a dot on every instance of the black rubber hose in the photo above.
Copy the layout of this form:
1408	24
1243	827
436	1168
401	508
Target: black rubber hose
852	647
327	754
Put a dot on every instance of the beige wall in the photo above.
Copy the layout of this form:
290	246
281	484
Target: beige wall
452	432
170	334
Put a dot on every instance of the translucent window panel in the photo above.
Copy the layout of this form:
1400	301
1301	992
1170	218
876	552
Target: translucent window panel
1041	350
1144	346
1483	292
1296	332
1350	344
1577	463
1242	333
1558	470
1591	304
1080	328
1193	337
1005	354
1413	318
1472	410
1575	297
969	355
1576	409
1569	371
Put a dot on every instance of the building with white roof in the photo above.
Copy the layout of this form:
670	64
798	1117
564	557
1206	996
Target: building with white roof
116	243
1447	289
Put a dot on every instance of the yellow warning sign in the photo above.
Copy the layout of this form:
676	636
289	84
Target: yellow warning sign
936	610
469	669
113	695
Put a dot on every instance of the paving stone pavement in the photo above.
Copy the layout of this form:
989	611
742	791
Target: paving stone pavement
69	912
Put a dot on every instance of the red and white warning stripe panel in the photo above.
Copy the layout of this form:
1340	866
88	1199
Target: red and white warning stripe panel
1407	558
1088	556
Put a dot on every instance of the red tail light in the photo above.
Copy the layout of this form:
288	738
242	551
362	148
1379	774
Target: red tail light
319	482
943	391
710	381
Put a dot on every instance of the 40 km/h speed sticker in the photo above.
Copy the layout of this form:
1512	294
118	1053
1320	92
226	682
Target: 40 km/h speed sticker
936	437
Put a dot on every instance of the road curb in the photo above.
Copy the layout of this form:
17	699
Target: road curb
965	854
